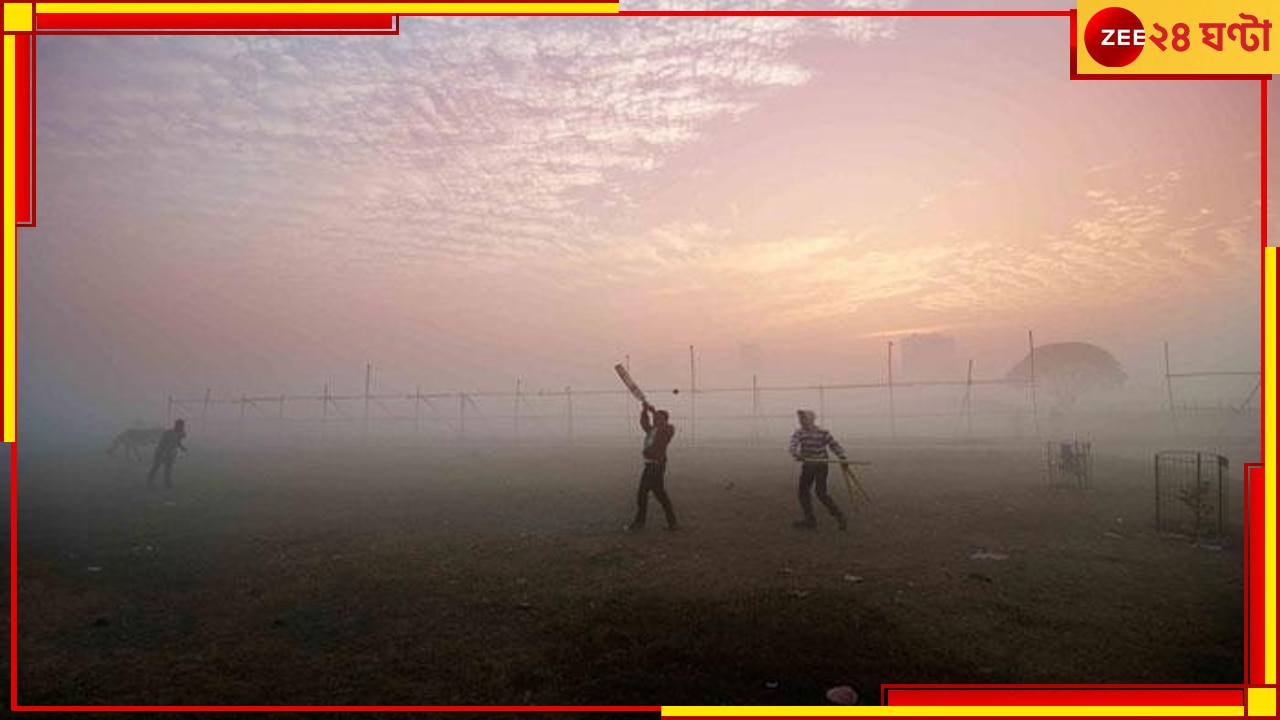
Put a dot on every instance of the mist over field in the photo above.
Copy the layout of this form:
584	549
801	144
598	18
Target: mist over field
385	282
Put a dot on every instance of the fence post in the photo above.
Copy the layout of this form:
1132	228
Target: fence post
417	412
1168	384
324	413
515	414
168	409
244	403
568	398
204	410
822	405
693	401
968	401
893	416
1031	357
755	410
368	379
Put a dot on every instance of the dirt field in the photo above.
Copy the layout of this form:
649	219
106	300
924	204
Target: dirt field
418	576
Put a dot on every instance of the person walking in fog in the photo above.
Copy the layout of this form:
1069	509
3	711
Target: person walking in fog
809	445
658	432
167	451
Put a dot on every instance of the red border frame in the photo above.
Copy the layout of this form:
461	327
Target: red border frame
956	695
344	23
25	138
1255	558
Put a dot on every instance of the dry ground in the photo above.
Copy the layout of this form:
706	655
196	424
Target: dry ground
420	576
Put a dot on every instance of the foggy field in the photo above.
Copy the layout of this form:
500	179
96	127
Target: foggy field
454	576
347	262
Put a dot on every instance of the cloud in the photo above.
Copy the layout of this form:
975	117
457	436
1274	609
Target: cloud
462	140
1121	240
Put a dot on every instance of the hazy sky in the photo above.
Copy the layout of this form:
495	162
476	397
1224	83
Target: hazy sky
478	199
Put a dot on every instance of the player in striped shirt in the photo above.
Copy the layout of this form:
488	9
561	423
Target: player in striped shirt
810	442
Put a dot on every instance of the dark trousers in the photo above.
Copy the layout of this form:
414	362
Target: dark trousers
651	481
814	475
167	462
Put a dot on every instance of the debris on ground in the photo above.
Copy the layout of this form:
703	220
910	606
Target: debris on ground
988	555
843	695
1116	536
95	568
853	578
980	577
800	594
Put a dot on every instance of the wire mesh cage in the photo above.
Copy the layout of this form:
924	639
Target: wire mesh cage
1191	494
1069	463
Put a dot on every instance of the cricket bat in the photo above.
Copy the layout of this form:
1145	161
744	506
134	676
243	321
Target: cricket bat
631	384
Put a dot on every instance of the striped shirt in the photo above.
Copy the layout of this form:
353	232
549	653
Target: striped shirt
813	443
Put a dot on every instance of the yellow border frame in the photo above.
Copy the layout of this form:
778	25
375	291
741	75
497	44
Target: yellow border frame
18	19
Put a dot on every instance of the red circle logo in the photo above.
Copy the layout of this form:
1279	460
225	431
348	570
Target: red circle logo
1110	39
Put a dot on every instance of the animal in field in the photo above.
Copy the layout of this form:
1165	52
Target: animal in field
133	440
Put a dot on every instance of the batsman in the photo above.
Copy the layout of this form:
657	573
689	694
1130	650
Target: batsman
658	432
809	445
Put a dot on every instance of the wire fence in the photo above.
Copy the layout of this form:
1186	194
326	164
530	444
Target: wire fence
969	408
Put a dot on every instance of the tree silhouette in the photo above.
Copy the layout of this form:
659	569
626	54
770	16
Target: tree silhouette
1070	370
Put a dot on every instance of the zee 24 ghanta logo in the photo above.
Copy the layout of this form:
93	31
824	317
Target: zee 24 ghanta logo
1115	37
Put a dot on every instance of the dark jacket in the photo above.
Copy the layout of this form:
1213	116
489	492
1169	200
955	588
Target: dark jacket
170	443
656	438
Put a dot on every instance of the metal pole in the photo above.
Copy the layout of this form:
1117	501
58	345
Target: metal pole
893	418
755	411
822	404
515	413
568	398
417	410
368	380
1168	385
1031	356
204	410
244	402
693	401
968	401
324	413
168	409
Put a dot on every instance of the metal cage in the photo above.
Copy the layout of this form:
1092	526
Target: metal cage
1069	463
1191	494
